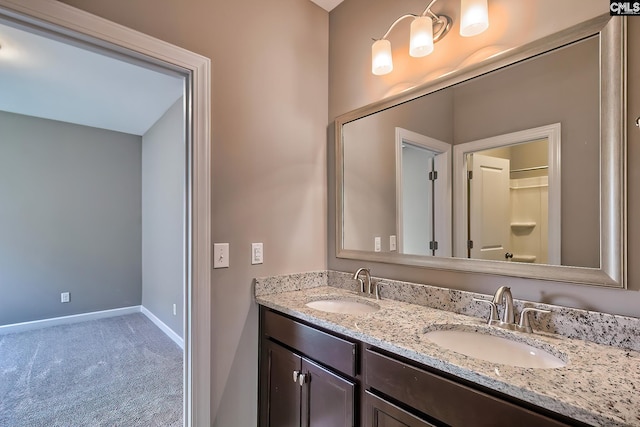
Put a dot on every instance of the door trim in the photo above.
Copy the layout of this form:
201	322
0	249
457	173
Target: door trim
75	25
553	133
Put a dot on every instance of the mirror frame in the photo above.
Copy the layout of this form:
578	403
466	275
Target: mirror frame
613	173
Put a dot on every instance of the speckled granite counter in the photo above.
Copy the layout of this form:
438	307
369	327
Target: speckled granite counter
600	384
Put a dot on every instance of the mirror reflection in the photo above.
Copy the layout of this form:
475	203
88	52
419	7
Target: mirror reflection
513	207
420	178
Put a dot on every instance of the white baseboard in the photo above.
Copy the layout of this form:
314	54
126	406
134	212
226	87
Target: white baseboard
163	327
65	320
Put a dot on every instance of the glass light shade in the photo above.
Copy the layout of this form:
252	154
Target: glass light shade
475	17
421	42
381	60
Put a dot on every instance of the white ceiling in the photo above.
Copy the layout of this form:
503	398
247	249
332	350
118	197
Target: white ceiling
53	80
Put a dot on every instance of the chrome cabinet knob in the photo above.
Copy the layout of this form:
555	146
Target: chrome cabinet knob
303	379
296	374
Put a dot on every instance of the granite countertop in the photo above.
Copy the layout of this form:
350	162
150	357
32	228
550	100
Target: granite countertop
600	385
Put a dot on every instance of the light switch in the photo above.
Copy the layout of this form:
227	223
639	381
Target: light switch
256	253
377	244
220	255
392	243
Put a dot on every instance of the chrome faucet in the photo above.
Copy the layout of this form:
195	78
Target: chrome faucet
503	297
366	283
367	276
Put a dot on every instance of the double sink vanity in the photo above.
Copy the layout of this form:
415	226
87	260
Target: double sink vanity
419	355
340	349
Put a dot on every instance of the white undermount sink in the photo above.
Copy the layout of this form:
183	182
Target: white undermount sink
343	305
494	349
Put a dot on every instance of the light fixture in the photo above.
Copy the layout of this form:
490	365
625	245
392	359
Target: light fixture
474	17
381	62
427	29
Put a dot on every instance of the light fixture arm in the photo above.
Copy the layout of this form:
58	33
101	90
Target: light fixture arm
396	22
428	9
443	22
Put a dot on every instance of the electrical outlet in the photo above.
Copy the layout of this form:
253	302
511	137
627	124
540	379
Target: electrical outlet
256	253
64	297
377	244
392	243
174	310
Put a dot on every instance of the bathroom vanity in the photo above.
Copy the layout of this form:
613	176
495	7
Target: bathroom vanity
311	376
377	369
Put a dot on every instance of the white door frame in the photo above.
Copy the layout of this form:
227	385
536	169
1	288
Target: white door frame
61	20
443	210
552	132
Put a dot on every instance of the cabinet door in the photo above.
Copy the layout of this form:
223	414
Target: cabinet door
281	394
380	413
327	399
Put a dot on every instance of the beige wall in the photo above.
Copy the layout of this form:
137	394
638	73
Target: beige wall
269	115
352	85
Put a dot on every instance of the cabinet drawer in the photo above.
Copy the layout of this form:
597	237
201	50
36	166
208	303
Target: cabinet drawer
320	346
445	400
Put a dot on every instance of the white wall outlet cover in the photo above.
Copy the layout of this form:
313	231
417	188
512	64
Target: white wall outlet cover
257	253
220	255
64	297
392	243
377	243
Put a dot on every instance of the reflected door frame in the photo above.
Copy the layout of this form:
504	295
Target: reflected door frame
552	133
442	190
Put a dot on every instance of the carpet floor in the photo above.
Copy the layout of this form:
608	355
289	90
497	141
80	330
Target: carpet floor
119	371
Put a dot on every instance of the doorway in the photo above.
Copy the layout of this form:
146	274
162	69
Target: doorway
59	21
509	187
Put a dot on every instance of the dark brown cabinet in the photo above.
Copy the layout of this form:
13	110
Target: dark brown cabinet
283	394
327	399
445	399
380	413
295	391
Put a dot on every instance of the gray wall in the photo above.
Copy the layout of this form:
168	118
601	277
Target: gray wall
69	218
163	184
269	117
352	85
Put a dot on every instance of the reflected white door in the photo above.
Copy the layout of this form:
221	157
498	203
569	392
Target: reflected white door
489	208
417	200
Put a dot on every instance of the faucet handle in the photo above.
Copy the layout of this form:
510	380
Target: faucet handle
493	314
524	324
